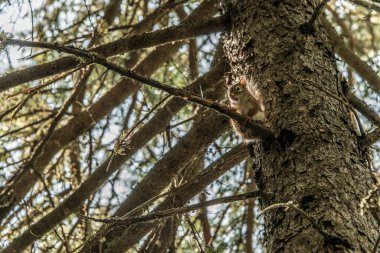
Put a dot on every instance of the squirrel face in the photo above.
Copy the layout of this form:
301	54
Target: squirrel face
243	100
236	92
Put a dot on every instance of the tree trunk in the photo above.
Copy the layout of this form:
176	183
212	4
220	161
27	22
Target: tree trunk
317	162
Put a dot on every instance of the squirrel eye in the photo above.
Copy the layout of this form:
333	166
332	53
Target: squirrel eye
237	88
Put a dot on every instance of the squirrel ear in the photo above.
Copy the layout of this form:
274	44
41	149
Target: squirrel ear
242	81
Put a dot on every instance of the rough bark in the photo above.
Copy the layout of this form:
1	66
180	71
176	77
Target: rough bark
317	162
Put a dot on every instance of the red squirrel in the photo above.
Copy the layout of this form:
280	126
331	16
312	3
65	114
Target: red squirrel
244	100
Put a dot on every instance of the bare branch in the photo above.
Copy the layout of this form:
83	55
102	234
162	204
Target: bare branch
134	42
41	145
309	26
90	57
100	175
115	222
175	211
365	71
363	108
87	118
127	237
372	5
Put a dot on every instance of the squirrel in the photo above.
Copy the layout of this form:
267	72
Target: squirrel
244	100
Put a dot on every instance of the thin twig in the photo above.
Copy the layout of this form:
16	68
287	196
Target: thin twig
27	126
31	14
40	146
291	205
21	104
43	84
316	13
123	137
194	233
182	122
174	211
348	56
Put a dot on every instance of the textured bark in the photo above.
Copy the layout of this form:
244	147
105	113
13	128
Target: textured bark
317	162
251	186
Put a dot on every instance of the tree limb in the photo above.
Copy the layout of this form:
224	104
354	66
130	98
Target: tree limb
184	31
365	71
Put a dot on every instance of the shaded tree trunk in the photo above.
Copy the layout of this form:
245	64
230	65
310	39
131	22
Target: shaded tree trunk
317	161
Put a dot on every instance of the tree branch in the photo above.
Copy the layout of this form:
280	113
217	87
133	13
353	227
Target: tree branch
372	5
92	114
175	211
184	31
309	26
90	57
154	126
364	109
365	71
125	238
